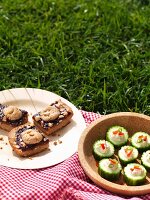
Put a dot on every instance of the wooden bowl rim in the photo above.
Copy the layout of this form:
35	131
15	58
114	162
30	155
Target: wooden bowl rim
110	186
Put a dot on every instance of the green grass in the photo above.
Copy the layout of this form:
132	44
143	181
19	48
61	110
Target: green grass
94	53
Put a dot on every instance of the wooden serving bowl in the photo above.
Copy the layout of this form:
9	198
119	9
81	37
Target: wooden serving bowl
133	122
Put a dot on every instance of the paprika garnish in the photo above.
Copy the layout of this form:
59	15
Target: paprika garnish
145	138
118	132
103	146
128	151
115	132
121	133
112	161
142	138
135	167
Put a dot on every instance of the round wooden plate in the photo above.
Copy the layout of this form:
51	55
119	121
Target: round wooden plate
133	122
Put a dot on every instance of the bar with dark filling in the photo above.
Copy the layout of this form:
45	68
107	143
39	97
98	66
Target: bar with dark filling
53	117
26	140
11	117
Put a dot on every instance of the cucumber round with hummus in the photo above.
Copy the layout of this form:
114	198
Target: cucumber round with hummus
127	154
145	160
134	174
102	149
141	141
109	169
117	135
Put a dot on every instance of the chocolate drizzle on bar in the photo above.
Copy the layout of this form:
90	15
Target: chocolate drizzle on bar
12	122
1	112
19	141
64	111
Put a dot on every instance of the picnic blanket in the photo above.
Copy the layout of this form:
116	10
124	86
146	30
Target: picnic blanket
64	181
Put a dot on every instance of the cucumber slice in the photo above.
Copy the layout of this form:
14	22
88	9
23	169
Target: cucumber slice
145	160
127	154
102	149
117	135
134	174
109	169
141	141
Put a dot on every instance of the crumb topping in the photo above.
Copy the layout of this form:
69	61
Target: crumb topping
28	137
50	113
55	143
12	113
53	114
31	136
1	138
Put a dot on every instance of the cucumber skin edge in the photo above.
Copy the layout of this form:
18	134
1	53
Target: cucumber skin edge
132	182
146	167
126	162
141	149
98	158
107	176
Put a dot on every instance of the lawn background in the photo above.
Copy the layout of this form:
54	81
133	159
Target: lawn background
94	53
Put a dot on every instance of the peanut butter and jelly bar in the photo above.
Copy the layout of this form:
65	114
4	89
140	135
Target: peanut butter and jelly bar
53	117
11	117
26	140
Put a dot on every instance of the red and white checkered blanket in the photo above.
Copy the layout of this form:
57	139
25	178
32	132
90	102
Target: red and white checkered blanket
65	181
